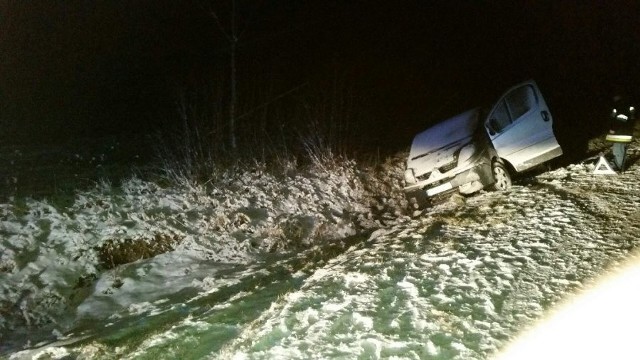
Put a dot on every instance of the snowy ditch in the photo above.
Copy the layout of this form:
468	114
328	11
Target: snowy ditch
460	281
88	260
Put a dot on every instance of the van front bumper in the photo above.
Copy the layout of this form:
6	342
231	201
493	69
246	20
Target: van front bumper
467	181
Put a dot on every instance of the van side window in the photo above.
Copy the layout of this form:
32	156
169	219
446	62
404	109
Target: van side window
520	101
500	117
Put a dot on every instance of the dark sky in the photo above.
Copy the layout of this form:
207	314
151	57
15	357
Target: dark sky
81	68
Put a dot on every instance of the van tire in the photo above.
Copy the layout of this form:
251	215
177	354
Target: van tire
501	177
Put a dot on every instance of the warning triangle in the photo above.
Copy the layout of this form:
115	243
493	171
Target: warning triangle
603	167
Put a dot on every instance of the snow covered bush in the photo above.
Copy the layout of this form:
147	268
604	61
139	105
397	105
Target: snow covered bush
53	254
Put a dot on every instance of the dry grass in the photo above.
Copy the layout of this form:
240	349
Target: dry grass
117	252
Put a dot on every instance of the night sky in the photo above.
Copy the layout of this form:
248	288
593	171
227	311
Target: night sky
73	69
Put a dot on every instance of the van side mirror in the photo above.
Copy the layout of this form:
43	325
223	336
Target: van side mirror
545	115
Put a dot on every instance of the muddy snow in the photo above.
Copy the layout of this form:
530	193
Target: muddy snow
306	267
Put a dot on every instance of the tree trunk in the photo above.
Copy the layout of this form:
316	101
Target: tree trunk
232	75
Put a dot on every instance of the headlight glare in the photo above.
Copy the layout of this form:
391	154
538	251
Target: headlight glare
466	153
410	177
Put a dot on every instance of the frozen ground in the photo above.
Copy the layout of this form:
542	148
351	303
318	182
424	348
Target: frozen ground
460	281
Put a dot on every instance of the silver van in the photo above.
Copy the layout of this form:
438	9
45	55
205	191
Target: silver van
481	148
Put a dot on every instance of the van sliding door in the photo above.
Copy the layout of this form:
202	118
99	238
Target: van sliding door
521	128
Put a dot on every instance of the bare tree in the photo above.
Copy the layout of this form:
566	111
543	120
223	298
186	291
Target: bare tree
233	42
233	31
232	34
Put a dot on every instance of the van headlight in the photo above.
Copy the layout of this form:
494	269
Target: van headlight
466	153
410	176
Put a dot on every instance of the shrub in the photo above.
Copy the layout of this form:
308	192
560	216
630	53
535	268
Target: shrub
117	252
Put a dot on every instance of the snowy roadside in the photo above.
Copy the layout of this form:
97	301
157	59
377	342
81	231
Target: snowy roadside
54	258
457	282
462	280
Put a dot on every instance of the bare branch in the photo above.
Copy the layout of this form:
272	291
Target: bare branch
226	34
265	104
209	10
248	20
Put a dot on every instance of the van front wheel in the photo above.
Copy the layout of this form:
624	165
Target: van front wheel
501	176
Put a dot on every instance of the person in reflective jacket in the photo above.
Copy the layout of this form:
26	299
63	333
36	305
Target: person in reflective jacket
620	134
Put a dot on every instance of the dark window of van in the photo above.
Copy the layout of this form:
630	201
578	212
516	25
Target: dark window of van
500	117
520	101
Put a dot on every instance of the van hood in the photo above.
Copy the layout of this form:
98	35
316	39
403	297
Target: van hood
437	144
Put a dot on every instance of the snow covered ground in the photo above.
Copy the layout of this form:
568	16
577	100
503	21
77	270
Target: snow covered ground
57	261
460	281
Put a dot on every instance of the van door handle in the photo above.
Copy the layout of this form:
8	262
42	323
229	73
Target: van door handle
545	115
